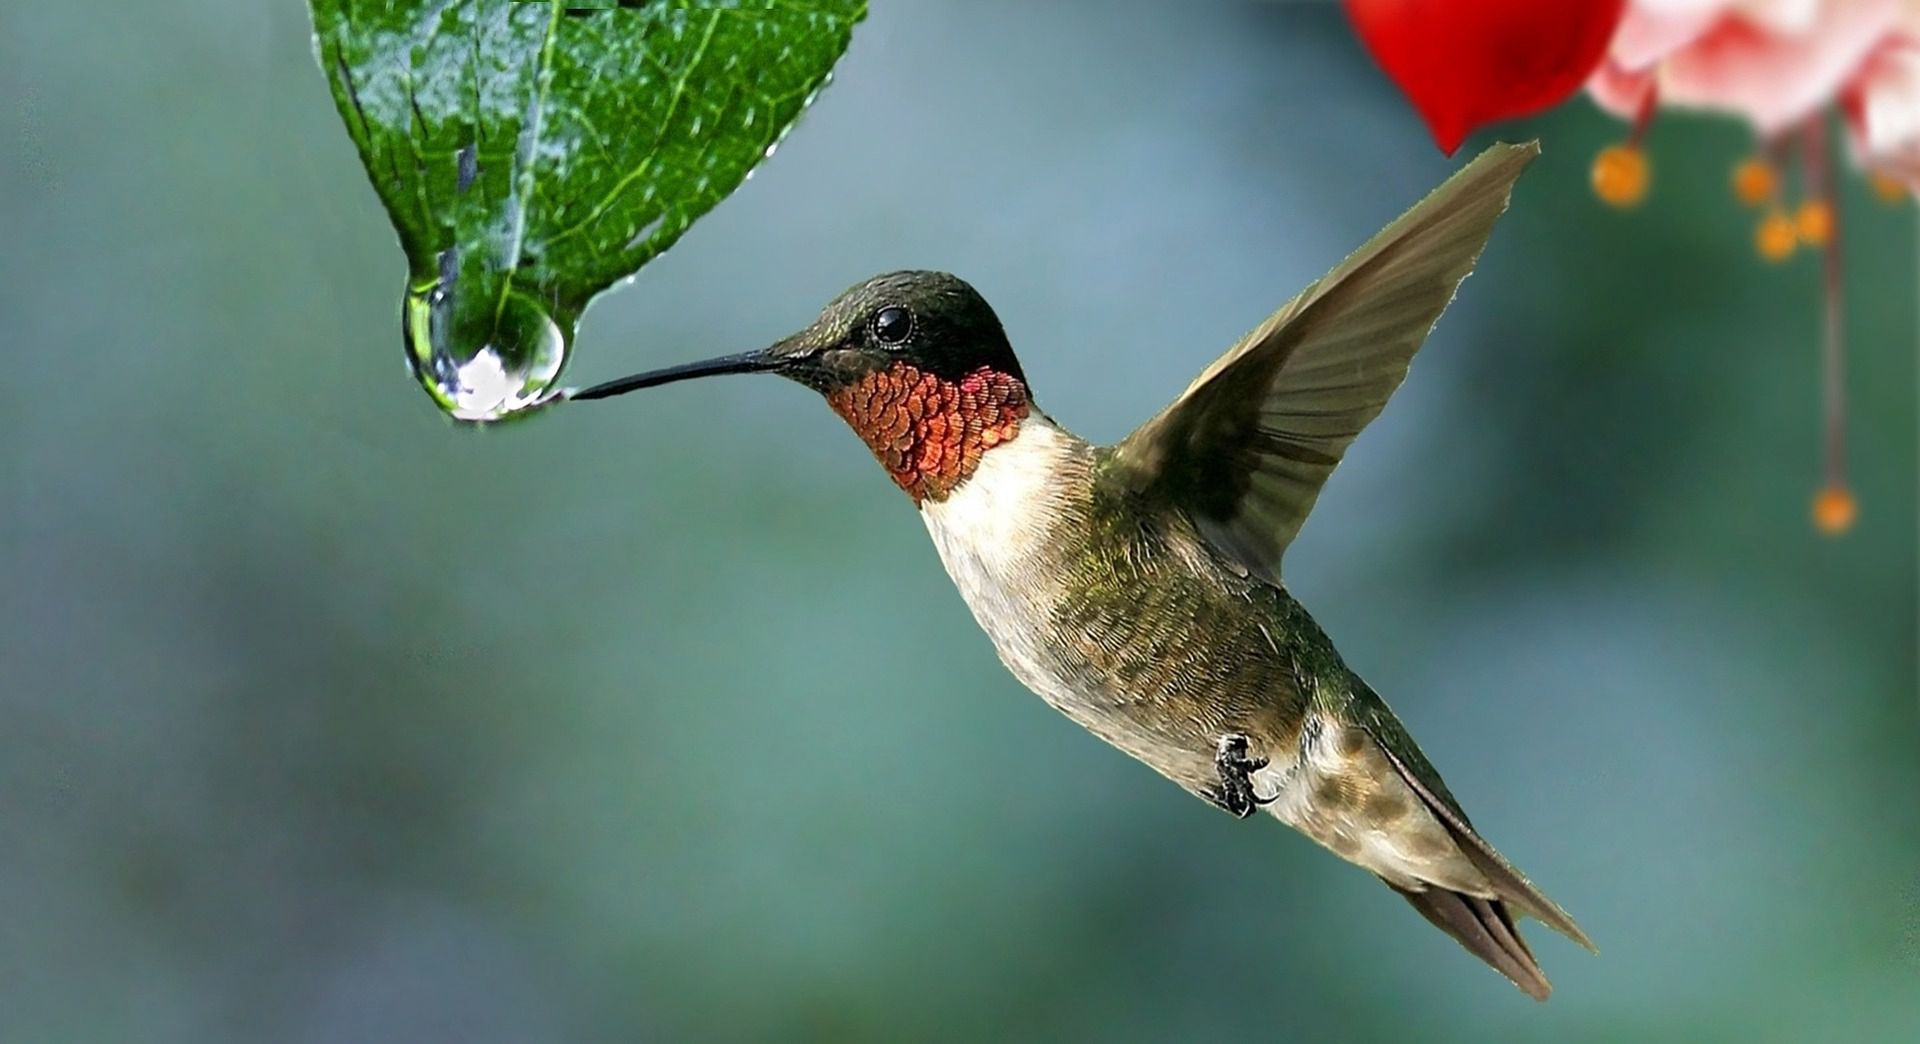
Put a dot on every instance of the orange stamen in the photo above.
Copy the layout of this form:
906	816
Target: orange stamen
1622	176
1889	188
1776	236
1755	181
1814	222
1834	510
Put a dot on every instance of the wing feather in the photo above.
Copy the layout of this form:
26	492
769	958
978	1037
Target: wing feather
1246	448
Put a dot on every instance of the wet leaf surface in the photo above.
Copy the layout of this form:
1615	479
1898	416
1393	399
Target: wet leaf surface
532	154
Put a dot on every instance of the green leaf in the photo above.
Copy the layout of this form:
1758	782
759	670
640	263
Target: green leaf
532	154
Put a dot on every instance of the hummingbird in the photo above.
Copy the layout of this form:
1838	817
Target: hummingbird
1137	587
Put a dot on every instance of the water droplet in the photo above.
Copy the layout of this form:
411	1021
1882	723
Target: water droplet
484	358
645	231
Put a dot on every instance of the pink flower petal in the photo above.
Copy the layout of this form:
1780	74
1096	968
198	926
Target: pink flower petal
1776	80
1785	16
1883	109
1647	35
1619	91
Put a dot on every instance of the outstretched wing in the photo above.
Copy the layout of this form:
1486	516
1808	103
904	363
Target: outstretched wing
1245	449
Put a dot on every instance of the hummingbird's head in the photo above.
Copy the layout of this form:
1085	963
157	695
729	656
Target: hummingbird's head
915	362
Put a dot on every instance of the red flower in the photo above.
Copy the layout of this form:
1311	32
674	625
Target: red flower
1465	63
1781	65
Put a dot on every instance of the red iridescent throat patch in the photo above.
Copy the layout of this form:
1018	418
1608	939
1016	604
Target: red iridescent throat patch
929	431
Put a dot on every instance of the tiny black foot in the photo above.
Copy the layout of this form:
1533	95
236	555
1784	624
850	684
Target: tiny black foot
1236	768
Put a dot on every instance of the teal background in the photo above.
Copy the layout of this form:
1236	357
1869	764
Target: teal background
324	720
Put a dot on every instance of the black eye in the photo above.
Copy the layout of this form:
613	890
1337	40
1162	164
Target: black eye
891	325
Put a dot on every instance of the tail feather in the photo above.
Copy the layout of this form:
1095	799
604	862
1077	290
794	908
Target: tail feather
1484	922
1510	883
1486	929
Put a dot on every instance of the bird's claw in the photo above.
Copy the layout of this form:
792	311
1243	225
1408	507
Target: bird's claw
1236	768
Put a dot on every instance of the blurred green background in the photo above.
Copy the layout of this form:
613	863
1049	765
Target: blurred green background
324	720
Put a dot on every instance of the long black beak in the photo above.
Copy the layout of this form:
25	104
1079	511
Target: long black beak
762	361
